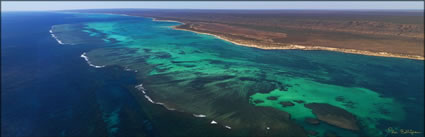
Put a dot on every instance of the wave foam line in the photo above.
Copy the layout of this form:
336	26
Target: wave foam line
56	38
142	89
127	69
228	127
199	115
88	61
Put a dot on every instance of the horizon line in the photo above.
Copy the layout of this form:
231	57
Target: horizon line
215	9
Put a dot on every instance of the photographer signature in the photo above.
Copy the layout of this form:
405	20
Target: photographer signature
391	130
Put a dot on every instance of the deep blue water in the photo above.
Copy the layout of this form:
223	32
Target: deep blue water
47	89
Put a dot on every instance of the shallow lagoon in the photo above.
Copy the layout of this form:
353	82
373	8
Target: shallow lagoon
202	75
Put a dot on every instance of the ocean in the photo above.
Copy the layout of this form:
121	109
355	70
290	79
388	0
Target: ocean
78	74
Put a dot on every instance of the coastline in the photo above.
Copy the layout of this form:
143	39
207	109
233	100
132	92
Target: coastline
302	47
299	47
289	47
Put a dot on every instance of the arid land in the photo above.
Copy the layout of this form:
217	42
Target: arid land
377	33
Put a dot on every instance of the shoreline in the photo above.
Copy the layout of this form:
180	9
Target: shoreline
299	47
291	46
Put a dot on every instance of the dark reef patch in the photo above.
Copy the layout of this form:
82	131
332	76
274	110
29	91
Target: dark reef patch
286	104
340	99
334	115
272	98
147	50
258	101
312	121
197	51
247	79
347	103
299	101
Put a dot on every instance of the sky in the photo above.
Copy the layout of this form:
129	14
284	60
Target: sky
68	5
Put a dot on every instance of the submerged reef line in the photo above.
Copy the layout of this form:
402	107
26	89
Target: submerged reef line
143	90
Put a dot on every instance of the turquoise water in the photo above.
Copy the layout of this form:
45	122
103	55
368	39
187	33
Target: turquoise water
227	83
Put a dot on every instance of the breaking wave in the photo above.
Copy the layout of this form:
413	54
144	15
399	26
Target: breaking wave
128	69
228	127
142	89
199	115
56	38
88	62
